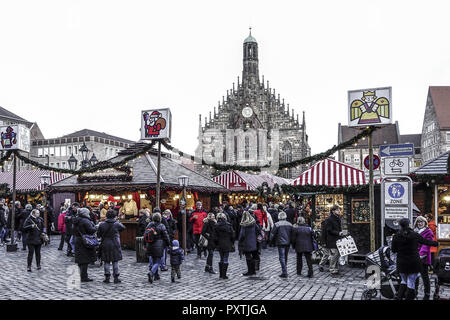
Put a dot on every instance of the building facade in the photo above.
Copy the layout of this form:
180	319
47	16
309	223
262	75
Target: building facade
56	152
252	125
436	123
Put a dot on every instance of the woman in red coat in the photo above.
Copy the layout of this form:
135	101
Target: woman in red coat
62	225
197	217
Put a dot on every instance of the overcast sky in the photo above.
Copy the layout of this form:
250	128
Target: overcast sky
70	65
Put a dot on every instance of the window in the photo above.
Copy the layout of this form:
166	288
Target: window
40	152
448	136
52	151
63	165
69	150
356	158
106	152
45	152
348	158
57	151
75	150
57	164
63	151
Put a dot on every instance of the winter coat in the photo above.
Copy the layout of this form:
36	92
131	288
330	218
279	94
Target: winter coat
281	233
198	222
71	214
110	244
172	228
331	229
274	214
142	224
33	235
262	217
223	236
247	238
208	232
161	241
290	213
302	238
176	256
424	250
406	247
2	218
81	226
22	217
432	226
61	222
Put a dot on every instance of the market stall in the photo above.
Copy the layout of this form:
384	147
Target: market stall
131	187
244	186
434	179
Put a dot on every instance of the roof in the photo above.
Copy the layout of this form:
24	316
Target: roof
8	114
144	176
239	180
441	101
28	180
387	134
250	38
88	132
329	172
411	138
435	166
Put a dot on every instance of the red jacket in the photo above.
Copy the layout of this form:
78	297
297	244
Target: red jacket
262	217
198	223
61	223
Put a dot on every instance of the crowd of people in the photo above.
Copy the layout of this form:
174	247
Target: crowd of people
251	226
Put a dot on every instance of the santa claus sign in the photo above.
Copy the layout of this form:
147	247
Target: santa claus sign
15	137
156	124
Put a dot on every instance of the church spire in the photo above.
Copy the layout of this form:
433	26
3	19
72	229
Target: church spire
250	72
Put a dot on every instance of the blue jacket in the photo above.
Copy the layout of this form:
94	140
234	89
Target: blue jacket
302	238
247	238
176	256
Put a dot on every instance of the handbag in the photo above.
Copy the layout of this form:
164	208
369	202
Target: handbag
261	236
44	237
90	241
202	241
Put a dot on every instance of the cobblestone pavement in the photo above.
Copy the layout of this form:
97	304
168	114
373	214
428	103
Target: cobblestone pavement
59	276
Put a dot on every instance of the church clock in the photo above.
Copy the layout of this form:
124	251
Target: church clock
247	112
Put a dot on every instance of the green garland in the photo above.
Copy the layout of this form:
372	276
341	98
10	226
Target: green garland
424	178
290	189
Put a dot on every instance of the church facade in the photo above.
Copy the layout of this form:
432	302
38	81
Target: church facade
252	125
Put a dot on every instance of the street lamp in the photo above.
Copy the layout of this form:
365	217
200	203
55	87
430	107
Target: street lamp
72	162
45	181
183	181
84	153
93	161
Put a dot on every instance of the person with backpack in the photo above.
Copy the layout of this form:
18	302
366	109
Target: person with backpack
224	242
157	239
208	233
33	227
176	259
247	242
143	221
302	242
281	237
406	244
197	217
331	232
62	225
111	253
84	254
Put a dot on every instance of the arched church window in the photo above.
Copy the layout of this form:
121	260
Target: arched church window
286	152
247	148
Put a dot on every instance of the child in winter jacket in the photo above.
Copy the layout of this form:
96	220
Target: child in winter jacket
176	259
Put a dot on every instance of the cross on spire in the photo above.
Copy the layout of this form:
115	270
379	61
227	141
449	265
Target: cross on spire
250	28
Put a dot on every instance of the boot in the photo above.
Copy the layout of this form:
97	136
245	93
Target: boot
401	292
173	278
157	277
257	264
206	268
310	273
116	279
410	294
250	267
107	277
211	270
150	277
426	296
225	268
220	270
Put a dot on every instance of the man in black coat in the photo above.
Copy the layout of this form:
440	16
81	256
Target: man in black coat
32	227
22	217
331	232
290	213
72	213
156	247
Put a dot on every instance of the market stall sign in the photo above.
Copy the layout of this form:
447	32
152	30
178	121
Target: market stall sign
156	124
369	107
15	137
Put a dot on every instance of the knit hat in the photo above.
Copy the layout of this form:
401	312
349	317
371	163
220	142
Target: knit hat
83	212
28	207
156	216
282	215
175	243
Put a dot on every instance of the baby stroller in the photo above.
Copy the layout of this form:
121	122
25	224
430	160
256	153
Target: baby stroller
442	270
389	279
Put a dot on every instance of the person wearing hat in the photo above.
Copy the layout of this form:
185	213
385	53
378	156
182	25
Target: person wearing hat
331	232
176	259
406	243
82	225
421	227
156	247
32	227
111	252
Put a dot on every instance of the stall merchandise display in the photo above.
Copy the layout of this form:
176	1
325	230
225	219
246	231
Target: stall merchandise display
324	202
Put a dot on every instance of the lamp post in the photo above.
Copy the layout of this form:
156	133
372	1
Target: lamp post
84	153
72	162
183	181
45	181
93	161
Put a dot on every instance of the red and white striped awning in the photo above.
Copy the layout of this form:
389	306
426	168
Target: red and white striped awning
332	173
241	181
29	180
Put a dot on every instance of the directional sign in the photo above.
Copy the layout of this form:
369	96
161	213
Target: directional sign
396	165
396	150
376	162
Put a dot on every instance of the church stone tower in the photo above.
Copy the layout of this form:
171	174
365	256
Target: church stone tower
252	124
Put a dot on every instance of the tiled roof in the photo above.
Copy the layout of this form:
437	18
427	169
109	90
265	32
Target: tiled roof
88	132
8	114
387	134
441	102
411	138
435	166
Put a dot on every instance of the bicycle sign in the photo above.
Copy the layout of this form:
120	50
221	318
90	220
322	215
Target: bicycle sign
396	165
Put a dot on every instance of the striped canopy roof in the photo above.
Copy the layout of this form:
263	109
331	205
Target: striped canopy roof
435	166
241	181
332	173
29	180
